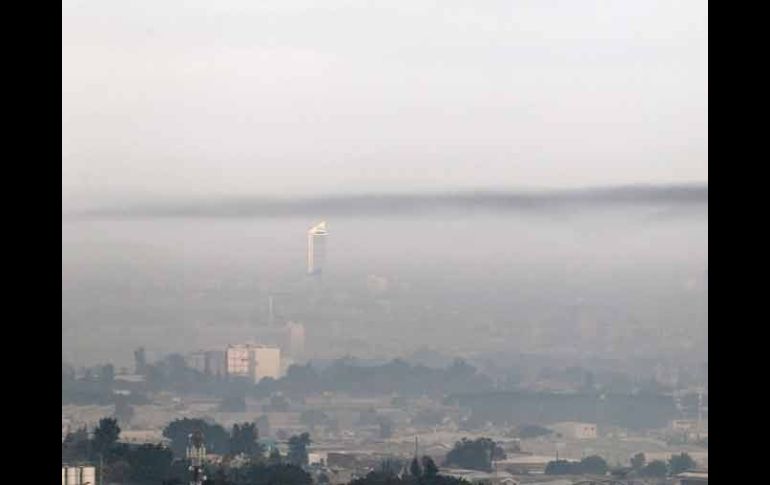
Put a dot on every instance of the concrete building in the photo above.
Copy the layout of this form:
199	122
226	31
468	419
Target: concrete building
575	430
268	362
78	475
253	361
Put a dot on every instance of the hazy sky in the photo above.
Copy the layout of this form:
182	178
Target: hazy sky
283	96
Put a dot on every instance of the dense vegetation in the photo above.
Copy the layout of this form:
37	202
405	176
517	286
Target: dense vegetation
343	375
156	463
475	454
657	468
590	465
459	383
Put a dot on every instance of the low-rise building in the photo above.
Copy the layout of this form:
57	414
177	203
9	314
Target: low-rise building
693	477
481	477
78	475
522	464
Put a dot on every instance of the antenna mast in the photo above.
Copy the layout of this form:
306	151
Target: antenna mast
196	454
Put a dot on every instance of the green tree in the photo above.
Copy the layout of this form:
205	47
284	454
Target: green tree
638	461
178	431
655	468
117	471
76	446
244	439
414	468
298	445
261	474
216	476
562	467
217	439
275	457
150	463
106	434
593	465
680	463
475	455
429	468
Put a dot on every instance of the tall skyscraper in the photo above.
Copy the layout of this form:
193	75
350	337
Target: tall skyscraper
316	248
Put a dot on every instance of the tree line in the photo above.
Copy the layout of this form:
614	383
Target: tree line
595	465
342	375
160	463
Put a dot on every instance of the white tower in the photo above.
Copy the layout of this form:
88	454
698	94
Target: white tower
316	248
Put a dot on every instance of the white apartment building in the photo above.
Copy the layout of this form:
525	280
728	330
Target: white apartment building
253	361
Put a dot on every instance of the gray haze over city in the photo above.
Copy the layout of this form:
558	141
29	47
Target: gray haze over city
521	185
192	104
